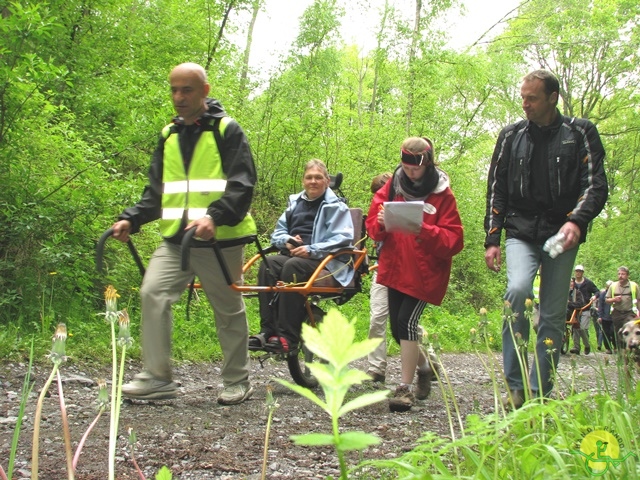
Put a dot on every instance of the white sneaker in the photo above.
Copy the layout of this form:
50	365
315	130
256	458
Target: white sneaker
146	387
235	394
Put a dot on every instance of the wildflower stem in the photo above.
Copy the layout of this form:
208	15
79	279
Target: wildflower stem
113	430
27	386
135	463
453	401
266	445
492	370
65	429
118	398
35	444
339	451
85	436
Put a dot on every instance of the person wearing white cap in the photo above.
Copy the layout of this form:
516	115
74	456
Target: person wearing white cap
588	290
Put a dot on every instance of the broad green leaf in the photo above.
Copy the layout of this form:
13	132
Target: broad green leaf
356	441
313	439
364	400
305	392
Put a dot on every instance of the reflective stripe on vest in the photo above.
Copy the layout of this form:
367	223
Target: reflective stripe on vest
193	193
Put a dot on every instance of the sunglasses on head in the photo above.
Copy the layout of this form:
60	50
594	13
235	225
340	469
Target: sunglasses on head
416	159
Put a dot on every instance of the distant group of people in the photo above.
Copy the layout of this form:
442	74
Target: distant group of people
617	300
546	178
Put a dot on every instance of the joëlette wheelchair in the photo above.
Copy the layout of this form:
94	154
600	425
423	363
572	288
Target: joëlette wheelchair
572	322
320	286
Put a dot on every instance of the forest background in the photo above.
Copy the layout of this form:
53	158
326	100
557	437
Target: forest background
84	94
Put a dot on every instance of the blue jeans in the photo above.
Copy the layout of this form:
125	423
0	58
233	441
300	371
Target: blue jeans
523	261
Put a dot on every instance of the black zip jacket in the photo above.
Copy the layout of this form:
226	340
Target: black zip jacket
237	164
575	174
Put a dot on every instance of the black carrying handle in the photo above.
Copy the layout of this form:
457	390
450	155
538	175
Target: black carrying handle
132	249
185	250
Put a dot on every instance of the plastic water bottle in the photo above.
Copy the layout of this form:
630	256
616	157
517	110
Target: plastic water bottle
554	245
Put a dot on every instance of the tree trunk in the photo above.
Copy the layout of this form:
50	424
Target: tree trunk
412	56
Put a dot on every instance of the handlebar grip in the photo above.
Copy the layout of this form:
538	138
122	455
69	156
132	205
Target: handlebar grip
132	250
184	248
100	248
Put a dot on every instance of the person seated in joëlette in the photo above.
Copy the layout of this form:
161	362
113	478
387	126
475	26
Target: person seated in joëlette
315	224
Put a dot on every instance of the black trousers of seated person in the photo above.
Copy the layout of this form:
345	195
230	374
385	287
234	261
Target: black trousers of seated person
285	316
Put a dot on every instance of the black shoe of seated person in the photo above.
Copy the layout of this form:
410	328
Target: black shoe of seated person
258	341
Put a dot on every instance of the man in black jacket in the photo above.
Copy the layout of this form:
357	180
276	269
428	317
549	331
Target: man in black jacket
202	176
546	178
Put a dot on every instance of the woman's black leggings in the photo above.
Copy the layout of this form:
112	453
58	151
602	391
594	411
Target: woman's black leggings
404	315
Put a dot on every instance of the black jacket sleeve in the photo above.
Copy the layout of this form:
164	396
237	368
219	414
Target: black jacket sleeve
497	188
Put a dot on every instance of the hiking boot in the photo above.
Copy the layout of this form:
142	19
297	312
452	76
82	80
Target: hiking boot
145	386
402	400
434	364
513	400
235	394
376	377
423	383
575	351
587	350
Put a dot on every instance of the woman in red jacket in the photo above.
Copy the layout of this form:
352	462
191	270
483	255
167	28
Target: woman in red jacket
415	261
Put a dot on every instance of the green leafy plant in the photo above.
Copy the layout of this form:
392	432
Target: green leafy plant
164	474
334	342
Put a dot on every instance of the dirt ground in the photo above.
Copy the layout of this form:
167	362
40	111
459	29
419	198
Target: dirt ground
199	439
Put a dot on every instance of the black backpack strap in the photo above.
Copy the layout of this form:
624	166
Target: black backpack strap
216	133
214	126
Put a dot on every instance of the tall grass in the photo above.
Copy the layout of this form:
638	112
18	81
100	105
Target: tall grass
582	435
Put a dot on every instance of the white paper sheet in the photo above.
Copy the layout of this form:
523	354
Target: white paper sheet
403	217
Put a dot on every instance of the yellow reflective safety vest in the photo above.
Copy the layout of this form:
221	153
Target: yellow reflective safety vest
193	191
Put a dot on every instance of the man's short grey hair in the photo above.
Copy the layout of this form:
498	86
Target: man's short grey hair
623	269
551	83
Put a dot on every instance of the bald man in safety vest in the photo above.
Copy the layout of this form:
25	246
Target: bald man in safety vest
202	176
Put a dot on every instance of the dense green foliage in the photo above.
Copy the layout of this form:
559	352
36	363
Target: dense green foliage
83	95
